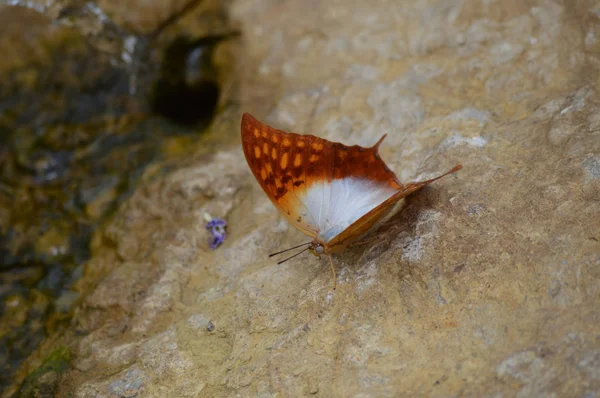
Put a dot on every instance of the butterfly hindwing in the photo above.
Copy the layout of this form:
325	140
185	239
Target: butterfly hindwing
362	225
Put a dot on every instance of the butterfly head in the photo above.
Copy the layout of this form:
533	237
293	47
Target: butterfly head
316	248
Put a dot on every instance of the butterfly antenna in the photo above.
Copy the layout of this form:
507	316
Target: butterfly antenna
291	248
289	258
454	169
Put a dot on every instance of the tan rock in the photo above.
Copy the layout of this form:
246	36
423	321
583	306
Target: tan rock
484	284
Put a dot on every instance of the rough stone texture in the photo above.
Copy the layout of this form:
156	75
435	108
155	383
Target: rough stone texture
485	284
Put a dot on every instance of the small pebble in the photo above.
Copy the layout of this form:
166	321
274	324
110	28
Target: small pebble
210	327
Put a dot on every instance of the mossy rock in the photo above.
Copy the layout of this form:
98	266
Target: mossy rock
43	381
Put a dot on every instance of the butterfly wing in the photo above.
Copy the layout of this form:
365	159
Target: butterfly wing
365	222
321	187
283	164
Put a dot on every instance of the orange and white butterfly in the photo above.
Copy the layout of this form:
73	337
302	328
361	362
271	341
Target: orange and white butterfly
332	192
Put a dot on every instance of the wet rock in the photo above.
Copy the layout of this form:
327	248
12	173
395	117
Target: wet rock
77	130
99	195
53	244
23	327
27	276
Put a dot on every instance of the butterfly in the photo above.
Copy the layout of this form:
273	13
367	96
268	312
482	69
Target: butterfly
331	192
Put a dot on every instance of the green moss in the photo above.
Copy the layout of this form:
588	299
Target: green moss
42	382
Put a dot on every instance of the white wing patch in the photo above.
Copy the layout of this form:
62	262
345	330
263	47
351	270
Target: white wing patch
334	207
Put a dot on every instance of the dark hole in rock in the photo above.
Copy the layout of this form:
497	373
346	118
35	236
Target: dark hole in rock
187	91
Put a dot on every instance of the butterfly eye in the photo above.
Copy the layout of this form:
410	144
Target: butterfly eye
319	249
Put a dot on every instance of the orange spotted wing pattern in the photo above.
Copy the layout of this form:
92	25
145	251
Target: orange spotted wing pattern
287	164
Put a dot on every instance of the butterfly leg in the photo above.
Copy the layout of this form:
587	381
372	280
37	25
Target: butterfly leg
333	272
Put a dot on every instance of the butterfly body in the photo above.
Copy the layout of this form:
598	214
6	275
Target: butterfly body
331	192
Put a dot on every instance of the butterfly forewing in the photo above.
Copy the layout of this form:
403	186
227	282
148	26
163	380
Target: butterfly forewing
318	169
275	158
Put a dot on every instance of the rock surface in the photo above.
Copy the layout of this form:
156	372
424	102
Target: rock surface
485	284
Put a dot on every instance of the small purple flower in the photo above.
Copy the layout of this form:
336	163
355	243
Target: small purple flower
216	227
